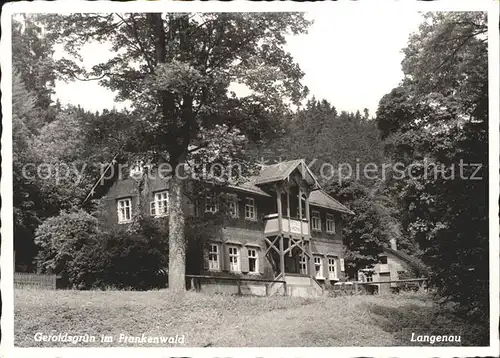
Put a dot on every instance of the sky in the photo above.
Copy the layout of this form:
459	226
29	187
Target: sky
350	57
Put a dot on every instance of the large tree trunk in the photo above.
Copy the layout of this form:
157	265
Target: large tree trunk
179	128
176	239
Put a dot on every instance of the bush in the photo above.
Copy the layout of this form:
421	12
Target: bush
73	246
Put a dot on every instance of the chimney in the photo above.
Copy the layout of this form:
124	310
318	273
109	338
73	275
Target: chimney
394	246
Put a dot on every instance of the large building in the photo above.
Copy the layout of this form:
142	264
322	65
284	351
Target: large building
279	225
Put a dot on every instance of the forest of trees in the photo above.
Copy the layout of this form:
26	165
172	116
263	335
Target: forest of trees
177	70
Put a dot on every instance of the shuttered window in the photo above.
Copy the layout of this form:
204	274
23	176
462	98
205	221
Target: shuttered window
234	258
332	273
253	261
214	257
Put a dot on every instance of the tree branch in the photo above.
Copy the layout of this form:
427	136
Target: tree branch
90	79
141	48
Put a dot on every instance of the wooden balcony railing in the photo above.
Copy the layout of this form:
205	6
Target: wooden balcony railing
288	225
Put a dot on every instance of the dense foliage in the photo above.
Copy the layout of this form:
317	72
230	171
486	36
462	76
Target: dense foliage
438	117
85	256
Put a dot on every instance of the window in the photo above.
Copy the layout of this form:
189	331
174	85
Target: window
250	210
369	276
318	266
233	207
316	221
303	265
159	206
213	257
332	274
383	259
253	262
303	214
330	223
234	259
124	210
211	203
137	169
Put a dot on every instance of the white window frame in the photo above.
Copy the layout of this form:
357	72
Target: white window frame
214	257
159	206
303	265
315	220
122	214
253	254
233	202
318	274
137	170
330	224
211	203
369	276
250	208
302	215
332	263
233	253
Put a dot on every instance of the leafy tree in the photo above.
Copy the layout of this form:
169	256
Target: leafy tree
74	246
27	199
176	69
436	119
365	236
32	58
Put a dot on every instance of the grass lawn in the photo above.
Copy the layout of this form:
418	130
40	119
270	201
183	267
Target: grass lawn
219	320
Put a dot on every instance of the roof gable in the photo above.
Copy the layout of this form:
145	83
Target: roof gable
281	171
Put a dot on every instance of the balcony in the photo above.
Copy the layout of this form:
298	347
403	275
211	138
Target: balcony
288	226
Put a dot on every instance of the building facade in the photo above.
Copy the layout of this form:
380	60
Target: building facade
279	225
393	265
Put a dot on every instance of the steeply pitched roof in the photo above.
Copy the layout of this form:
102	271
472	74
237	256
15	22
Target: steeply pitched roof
413	261
276	172
322	199
280	171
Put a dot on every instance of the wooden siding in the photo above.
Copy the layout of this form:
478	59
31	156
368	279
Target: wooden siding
238	231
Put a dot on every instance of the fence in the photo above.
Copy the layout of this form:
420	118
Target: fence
22	279
377	287
194	282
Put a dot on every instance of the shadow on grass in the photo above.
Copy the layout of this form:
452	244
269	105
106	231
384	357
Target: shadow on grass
428	319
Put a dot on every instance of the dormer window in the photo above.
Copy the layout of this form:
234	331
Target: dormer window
330	224
211	204
315	221
232	206
137	170
250	209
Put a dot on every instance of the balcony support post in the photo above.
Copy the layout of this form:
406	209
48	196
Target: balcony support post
312	271
308	218
282	258
300	212
279	206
